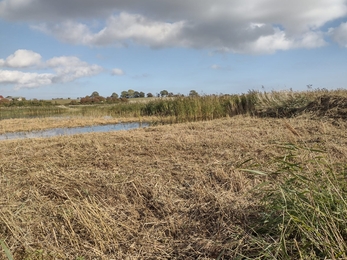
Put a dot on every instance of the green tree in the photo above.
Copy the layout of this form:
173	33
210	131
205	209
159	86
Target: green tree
149	95
164	93
142	94
114	95
131	93
193	93
95	94
124	94
136	94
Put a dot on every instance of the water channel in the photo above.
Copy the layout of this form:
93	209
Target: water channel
72	131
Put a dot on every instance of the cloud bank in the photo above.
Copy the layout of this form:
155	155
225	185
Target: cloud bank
241	26
64	69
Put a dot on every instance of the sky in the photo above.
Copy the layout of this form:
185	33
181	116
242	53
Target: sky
71	48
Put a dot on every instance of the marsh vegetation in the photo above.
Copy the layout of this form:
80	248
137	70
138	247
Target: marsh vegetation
265	179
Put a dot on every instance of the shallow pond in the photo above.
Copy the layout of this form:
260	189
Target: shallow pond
72	131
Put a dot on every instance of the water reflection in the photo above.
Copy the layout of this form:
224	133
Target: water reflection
72	131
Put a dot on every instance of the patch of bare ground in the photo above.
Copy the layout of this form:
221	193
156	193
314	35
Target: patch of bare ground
165	192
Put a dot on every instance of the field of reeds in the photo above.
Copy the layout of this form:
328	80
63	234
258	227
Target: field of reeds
188	109
267	180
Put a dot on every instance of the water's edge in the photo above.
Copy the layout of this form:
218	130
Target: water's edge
71	131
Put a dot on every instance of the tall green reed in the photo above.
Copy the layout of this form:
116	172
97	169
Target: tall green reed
207	107
305	209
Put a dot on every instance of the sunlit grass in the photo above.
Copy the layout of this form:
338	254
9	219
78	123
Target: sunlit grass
267	180
180	189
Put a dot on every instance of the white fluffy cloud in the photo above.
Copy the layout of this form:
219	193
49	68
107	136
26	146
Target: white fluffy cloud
25	79
243	26
339	34
64	69
21	59
69	68
117	72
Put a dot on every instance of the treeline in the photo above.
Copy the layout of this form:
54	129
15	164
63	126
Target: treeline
164	93
95	98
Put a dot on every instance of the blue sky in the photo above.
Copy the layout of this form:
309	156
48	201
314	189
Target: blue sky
70	48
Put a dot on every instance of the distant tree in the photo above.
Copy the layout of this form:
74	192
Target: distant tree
98	99
193	93
142	94
85	100
114	95
170	94
4	101
149	95
136	94
164	93
95	94
124	94
131	93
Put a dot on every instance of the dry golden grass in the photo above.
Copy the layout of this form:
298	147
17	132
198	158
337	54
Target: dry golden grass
165	192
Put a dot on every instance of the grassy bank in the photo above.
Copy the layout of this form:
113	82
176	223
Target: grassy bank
180	109
232	188
188	109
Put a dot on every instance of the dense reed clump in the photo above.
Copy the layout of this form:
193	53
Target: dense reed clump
208	107
188	109
282	104
198	108
303	215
